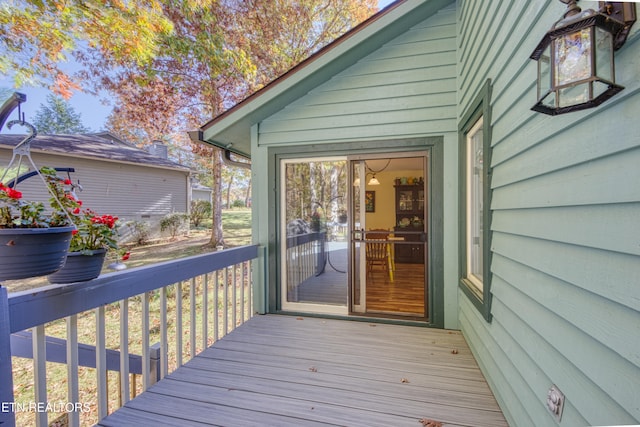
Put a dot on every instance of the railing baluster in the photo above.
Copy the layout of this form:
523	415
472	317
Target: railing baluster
192	326
205	311
226	301
216	309
164	344
179	324
73	393
101	362
145	342
242	284
234	299
251	265
40	373
124	352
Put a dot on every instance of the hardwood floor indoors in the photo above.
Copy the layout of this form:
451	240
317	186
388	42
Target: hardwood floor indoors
405	295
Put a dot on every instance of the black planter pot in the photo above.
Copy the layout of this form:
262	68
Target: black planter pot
79	267
32	252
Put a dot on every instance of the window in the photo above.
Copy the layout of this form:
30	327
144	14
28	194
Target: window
475	192
475	196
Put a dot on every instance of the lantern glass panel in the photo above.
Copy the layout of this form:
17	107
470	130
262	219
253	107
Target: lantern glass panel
573	95
544	73
573	57
599	88
604	54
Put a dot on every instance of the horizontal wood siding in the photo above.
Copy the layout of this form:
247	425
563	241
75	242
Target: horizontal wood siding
566	205
404	89
125	190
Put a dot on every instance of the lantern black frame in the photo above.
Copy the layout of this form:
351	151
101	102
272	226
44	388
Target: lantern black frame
618	31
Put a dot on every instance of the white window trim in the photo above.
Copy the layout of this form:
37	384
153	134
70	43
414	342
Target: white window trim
470	246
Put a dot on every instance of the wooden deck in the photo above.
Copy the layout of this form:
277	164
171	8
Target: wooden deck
290	371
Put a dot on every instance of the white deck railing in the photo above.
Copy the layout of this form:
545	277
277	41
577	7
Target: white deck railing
158	291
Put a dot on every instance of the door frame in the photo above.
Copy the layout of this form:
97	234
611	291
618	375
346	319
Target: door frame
268	227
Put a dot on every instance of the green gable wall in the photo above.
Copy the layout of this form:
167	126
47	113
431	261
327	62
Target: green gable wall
405	90
566	228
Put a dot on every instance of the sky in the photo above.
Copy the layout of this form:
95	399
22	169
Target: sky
91	109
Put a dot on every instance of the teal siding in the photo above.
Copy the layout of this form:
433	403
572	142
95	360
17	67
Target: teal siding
404	89
566	230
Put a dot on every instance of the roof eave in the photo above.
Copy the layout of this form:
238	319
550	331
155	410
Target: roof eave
231	129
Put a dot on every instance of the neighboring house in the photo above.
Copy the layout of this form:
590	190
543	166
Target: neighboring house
548	290
116	177
201	192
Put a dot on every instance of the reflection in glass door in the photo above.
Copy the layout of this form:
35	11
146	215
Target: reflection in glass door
314	230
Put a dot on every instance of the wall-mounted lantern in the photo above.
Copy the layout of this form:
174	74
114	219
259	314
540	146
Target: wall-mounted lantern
576	67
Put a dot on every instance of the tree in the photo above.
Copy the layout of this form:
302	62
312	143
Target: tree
38	37
58	116
220	52
172	64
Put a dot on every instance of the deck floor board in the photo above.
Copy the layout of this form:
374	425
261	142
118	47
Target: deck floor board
285	370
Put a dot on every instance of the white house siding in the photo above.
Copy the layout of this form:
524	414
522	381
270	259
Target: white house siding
566	230
129	191
404	89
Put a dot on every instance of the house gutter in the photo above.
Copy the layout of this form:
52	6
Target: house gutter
197	136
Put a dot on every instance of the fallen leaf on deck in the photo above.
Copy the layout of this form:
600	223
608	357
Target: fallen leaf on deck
430	423
299	318
404	380
454	351
313	369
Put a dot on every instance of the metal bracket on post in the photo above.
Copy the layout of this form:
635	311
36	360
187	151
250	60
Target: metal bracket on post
7	413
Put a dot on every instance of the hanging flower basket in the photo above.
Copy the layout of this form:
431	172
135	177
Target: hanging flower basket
80	267
32	252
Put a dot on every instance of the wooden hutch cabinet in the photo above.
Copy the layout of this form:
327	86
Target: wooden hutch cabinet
410	204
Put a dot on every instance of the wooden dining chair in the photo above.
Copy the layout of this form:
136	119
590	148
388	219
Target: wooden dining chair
377	251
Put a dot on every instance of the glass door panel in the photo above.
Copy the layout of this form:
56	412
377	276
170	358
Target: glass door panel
314	248
389	238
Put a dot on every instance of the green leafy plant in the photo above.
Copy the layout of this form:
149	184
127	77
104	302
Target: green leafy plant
15	212
200	209
95	232
140	231
173	222
92	231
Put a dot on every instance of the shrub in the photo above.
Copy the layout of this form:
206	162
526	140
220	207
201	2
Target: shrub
200	210
173	222
238	204
140	231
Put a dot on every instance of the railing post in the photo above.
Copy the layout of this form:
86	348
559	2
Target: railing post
7	414
154	363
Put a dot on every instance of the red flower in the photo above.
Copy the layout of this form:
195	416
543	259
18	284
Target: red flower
67	181
74	232
14	194
76	211
126	256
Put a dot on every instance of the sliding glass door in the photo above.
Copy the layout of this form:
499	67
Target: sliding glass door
314	259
